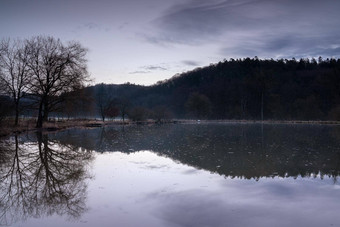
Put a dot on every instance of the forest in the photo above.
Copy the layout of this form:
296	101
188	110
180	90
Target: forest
247	89
250	89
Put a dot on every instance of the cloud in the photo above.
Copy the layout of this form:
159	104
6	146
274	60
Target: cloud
92	27
154	67
253	27
190	63
149	69
284	47
139	72
123	26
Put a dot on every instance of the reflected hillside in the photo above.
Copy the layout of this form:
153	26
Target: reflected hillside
41	178
235	150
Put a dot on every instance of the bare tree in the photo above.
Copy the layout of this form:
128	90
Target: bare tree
56	69
103	99
124	105
79	103
14	71
107	105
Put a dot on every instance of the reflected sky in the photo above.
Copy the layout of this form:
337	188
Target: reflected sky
143	187
130	177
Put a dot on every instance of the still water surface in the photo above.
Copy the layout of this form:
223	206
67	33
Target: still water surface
173	175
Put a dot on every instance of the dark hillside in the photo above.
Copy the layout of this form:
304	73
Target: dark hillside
240	89
247	88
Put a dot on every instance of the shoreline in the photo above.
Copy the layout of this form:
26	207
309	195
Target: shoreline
311	122
52	126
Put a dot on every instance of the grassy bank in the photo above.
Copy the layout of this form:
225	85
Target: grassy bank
7	127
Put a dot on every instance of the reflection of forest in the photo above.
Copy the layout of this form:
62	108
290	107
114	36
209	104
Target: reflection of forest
236	150
40	178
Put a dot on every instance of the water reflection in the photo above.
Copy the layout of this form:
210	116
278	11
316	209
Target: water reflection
244	151
173	175
41	178
145	189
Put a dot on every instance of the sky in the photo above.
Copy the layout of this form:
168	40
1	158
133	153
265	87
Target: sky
145	41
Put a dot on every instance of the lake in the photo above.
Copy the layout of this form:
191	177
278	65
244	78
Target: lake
173	175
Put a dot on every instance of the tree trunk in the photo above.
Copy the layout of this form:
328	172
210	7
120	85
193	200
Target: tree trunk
16	122
46	110
40	117
39	121
262	106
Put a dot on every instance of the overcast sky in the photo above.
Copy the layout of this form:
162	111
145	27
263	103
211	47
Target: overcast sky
144	41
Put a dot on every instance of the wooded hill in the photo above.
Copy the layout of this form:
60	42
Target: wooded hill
250	89
236	89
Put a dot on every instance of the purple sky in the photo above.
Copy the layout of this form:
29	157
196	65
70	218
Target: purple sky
144	41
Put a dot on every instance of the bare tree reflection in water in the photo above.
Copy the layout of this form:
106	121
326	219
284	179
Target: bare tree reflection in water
42	178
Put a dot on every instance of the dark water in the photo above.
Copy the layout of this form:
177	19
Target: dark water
173	175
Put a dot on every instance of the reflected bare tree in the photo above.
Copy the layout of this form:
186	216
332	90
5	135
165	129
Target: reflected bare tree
41	178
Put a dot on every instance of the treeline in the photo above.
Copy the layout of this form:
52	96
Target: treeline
305	89
249	88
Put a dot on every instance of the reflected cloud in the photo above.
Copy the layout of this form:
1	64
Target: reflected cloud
239	204
156	167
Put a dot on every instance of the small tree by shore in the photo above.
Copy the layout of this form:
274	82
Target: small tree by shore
55	69
14	72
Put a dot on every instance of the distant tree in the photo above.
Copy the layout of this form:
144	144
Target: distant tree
138	113
112	109
124	105
56	69
263	83
161	113
14	72
199	105
85	103
103	101
78	103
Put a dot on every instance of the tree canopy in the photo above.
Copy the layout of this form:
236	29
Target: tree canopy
43	67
